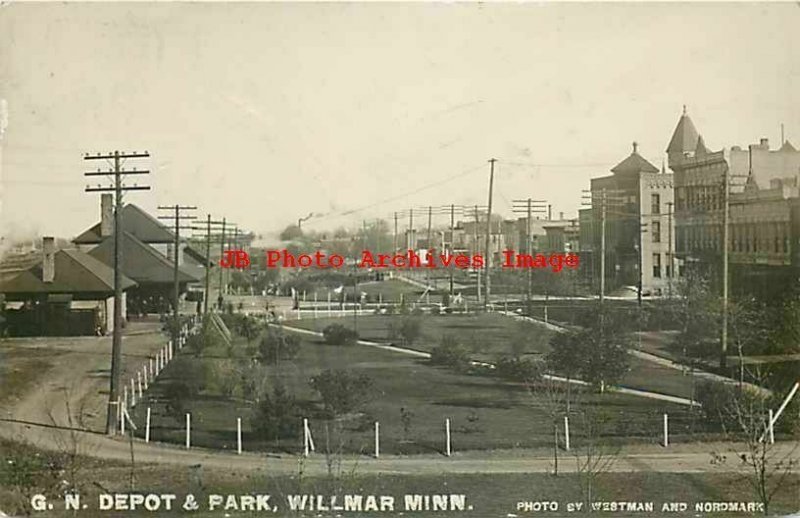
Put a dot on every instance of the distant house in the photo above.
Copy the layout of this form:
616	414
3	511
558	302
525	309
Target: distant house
67	292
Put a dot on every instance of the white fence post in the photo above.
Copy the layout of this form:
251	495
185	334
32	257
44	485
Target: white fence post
122	417
145	376
133	393
139	382
188	430
147	426
119	411
666	430
566	433
308	440
771	428
239	435
124	398
377	439
152	370
448	450
169	350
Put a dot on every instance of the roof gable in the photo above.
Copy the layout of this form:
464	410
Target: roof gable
135	221
140	261
75	272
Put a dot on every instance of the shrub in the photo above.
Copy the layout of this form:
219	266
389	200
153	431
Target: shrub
276	416
409	330
337	334
435	310
518	369
276	345
451	353
341	391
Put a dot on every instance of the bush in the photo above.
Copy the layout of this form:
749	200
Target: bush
408	330
518	369
435	310
207	338
337	334
341	391
451	353
245	326
276	416
276	345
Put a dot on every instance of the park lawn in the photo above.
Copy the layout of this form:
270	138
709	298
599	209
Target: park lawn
489	335
393	290
486	335
485	412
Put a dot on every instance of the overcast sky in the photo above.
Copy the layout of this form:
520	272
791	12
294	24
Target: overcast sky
266	112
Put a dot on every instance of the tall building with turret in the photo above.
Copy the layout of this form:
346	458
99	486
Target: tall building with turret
764	223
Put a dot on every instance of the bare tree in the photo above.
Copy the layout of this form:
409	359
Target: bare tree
594	455
766	465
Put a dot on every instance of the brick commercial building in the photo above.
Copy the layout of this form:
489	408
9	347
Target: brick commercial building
764	213
638	228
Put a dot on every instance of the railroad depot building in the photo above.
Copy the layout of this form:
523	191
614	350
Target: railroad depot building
764	209
148	256
66	293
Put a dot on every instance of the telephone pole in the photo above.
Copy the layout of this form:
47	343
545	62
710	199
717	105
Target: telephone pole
177	216
602	197
118	174
669	248
208	238
529	207
486	301
723	357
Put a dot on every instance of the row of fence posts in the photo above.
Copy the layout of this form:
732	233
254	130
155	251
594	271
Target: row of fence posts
147	375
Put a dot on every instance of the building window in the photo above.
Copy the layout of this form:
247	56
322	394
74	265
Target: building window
655	203
656	232
657	265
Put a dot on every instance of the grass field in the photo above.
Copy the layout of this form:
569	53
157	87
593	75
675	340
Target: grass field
485	412
488	335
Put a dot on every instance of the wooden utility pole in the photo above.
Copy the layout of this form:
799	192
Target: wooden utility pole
723	358
669	249
177	217
394	249
221	270
529	207
603	246
488	259
452	239
118	189
208	237
475	251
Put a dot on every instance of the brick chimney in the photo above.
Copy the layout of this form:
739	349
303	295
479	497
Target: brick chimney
48	259
106	214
